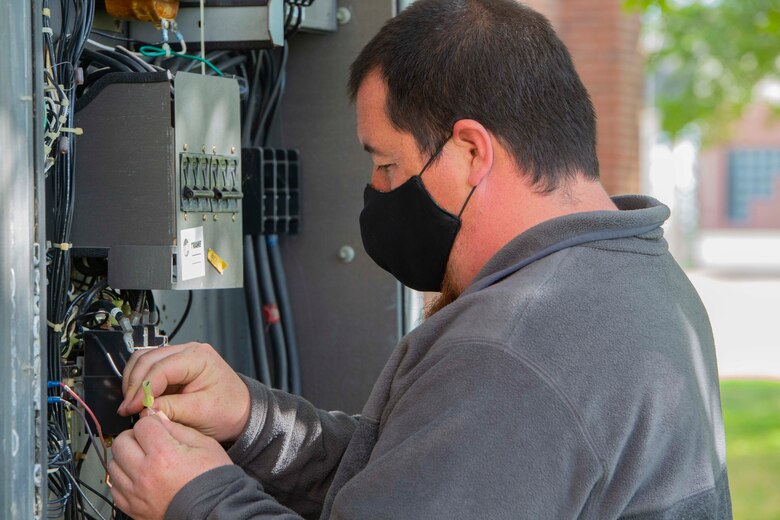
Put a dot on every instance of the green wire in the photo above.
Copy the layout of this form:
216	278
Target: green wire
155	52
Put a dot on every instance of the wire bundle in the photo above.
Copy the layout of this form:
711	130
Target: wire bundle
62	50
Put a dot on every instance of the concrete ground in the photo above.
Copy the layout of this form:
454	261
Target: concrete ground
745	313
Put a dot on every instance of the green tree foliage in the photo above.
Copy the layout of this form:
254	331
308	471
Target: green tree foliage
708	56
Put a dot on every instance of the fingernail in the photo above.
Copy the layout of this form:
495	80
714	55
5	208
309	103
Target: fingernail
121	406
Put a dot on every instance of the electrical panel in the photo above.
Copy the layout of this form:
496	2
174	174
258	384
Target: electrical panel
159	185
155	182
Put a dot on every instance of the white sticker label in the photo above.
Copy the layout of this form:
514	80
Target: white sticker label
192	254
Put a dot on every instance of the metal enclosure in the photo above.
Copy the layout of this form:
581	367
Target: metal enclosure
22	280
230	24
159	181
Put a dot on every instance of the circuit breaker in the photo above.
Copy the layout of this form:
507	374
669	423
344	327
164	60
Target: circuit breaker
158	190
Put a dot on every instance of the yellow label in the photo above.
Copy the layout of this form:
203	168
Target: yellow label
219	264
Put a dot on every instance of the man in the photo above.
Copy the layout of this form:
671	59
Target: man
567	371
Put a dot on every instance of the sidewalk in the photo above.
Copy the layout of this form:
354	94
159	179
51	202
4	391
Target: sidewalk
745	315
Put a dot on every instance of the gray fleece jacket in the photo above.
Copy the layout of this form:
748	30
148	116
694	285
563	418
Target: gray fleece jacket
582	385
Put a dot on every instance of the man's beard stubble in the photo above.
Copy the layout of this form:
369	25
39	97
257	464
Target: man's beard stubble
449	293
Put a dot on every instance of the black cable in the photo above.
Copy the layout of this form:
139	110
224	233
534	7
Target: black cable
273	102
101	496
254	314
64	54
183	317
275	331
126	60
107	60
285	310
154	313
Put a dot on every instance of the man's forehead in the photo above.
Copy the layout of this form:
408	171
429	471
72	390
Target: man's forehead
372	120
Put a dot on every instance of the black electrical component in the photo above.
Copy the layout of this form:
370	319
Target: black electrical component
105	357
271	191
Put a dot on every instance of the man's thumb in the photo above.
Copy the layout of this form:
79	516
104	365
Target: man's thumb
176	408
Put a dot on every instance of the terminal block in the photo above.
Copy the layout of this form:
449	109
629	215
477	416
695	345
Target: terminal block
272	187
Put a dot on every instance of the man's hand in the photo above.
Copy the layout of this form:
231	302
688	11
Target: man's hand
192	385
154	460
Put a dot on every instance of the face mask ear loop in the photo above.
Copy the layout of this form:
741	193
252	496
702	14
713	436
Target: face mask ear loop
434	156
467	201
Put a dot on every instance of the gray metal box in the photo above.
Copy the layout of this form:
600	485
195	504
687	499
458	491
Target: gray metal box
230	24
158	182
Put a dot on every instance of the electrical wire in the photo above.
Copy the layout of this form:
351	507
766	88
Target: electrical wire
271	312
101	496
61	59
81	492
283	296
157	52
92	415
91	436
254	310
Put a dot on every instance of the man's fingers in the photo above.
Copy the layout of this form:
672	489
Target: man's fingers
134	372
151	435
121	483
184	434
178	407
127	454
157	431
178	368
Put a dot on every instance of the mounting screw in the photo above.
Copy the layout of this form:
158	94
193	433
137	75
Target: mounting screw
203	149
234	217
186	146
232	149
185	215
343	15
215	217
346	254
204	218
214	150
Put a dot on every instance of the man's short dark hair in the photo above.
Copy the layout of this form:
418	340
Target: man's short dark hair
495	61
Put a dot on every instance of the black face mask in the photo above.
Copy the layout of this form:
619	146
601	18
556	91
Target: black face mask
407	234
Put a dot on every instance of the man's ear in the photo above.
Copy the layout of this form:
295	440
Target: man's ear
476	144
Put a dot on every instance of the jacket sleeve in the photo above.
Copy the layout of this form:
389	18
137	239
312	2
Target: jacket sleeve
226	493
474	432
291	447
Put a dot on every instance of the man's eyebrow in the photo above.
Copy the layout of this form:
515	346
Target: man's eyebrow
373	151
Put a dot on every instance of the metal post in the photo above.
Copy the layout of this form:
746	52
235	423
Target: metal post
22	261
